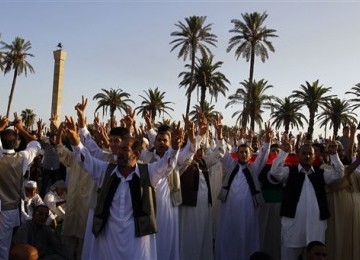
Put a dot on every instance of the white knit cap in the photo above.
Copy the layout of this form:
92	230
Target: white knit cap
30	184
58	184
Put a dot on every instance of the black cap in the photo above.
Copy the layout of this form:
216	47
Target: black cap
119	131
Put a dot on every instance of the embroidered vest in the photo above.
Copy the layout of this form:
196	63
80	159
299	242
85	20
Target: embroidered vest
142	198
190	183
293	189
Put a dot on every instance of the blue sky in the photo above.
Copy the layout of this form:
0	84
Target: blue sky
118	44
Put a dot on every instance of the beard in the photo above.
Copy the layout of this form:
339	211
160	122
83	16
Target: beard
126	161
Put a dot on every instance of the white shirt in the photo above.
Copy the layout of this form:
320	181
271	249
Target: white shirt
306	226
117	240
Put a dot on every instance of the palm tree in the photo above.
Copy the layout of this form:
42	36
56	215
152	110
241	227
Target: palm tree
286	112
335	113
15	56
258	100
313	96
355	91
28	118
193	36
113	99
208	110
251	38
206	78
1	58
240	97
154	102
254	98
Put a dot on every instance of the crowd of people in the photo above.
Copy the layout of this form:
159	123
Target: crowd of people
175	191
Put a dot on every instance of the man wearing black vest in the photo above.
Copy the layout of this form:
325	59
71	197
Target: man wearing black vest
304	209
237	235
124	220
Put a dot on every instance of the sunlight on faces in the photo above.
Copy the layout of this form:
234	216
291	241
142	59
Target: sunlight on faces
128	152
244	153
114	143
162	143
306	156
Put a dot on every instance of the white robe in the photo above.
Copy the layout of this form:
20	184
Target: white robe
89	239
306	226
237	235
167	215
117	240
196	227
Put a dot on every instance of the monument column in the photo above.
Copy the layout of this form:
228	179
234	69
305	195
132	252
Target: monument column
59	57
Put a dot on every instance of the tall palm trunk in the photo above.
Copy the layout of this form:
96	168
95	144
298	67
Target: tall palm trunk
11	92
112	118
191	81
153	115
251	77
311	124
202	97
287	127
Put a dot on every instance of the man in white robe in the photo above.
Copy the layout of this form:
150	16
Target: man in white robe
117	240
307	224
237	234
167	238
115	137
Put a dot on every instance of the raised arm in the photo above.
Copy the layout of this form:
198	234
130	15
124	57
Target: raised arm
167	163
337	169
278	170
95	167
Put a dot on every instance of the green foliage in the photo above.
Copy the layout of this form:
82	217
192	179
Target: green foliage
193	36
336	113
112	100
286	112
15	58
312	96
154	102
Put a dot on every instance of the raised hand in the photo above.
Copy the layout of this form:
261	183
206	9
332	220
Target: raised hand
285	143
189	128
80	107
269	133
177	136
203	124
352	129
129	119
166	121
53	123
148	120
80	111
17	121
71	131
218	126
97	120
4	122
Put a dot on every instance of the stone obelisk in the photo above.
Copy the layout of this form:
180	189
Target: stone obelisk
59	57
